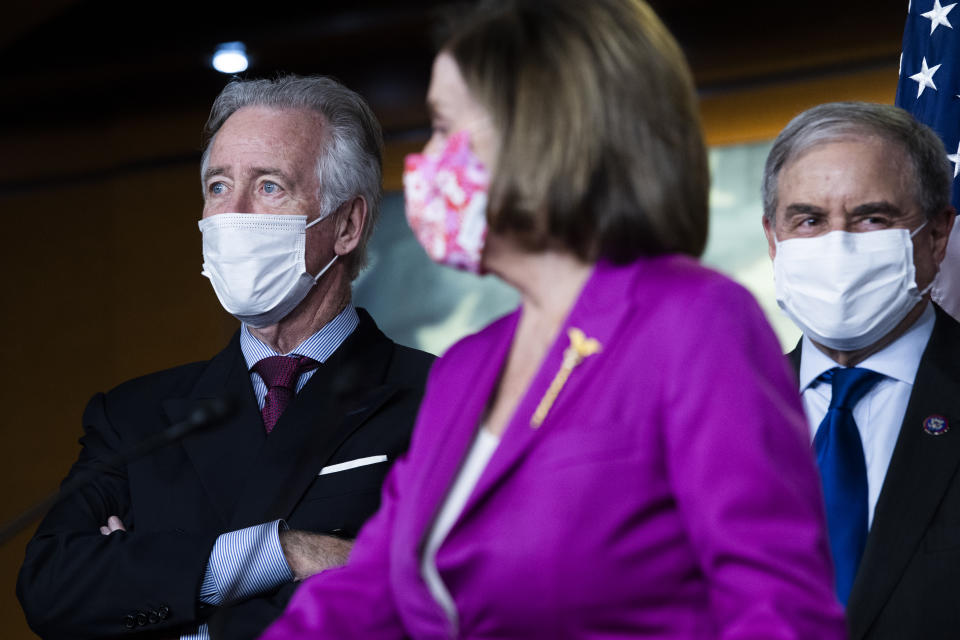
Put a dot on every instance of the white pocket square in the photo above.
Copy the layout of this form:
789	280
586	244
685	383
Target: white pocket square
352	464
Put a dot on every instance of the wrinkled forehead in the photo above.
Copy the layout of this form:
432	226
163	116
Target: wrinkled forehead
850	163
298	134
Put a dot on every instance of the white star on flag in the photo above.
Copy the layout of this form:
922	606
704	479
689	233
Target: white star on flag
955	159
940	109
924	79
938	15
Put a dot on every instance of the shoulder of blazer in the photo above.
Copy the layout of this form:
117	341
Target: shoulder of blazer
471	346
946	329
409	367
175	381
369	350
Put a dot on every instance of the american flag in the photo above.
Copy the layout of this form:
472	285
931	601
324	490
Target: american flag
929	88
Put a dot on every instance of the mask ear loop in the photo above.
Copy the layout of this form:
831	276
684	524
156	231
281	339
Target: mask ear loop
324	216
913	233
316	278
316	220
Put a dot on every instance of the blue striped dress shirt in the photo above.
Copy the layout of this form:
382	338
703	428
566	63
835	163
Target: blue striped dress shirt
249	561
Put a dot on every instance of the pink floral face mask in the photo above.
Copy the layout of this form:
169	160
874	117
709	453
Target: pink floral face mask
446	203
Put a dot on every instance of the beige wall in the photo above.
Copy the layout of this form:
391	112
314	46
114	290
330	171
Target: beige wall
102	284
750	115
102	275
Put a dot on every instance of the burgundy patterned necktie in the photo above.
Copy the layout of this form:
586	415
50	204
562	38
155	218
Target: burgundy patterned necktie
280	373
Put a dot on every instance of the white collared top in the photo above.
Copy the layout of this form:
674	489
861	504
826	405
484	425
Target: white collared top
880	413
475	462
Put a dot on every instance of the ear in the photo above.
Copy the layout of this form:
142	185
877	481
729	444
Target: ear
940	226
769	231
352	220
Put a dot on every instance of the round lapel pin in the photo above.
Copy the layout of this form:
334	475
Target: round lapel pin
936	425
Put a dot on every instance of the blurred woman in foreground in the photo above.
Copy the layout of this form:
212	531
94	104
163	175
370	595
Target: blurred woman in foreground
624	455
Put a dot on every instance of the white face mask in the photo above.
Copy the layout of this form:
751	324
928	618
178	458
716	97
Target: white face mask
847	290
256	263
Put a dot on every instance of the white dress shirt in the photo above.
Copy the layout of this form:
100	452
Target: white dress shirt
879	414
250	561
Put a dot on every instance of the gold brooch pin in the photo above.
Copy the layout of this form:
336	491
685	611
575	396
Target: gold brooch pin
580	347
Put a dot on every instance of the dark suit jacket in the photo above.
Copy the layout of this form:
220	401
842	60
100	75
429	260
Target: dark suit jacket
75	583
908	584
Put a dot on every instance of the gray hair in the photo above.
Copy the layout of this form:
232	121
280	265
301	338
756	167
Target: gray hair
349	165
836	121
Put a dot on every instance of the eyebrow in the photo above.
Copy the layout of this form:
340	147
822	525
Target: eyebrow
256	172
867	208
802	209
213	171
877	207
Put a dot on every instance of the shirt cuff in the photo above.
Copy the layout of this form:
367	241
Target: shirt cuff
245	563
202	633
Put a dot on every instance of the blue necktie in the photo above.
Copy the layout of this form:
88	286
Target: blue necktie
843	472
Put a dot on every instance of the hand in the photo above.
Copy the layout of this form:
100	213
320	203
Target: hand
113	524
309	553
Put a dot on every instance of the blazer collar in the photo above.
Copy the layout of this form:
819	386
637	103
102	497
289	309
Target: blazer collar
599	311
252	478
222	453
919	474
898	360
343	393
794	357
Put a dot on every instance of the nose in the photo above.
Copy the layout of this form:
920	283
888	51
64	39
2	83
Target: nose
434	144
240	202
839	221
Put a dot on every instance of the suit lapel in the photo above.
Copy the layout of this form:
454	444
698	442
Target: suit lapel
222	454
345	390
460	406
920	471
794	357
598	312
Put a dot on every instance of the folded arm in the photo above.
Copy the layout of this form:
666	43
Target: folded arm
77	582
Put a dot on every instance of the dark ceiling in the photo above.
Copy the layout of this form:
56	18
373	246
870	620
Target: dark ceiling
78	61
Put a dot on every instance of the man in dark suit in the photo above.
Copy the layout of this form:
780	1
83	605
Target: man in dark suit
857	215
206	537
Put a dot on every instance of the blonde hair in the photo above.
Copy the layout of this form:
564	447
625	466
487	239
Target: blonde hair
601	151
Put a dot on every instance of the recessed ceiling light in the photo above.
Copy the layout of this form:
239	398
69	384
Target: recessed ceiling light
231	57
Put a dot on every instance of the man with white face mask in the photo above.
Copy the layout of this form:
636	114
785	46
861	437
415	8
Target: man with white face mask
857	215
206	537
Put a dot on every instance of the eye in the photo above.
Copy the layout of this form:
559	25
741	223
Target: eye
271	187
809	222
869	223
217	188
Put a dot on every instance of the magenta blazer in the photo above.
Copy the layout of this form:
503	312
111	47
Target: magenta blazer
670	492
